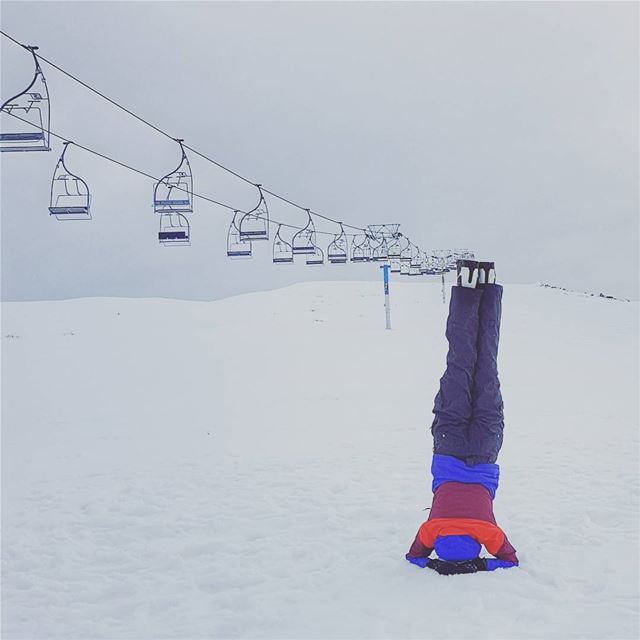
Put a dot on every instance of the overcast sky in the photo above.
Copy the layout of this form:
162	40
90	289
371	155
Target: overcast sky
507	127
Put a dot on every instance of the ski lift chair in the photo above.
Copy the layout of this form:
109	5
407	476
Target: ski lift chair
395	265
315	258
394	250
254	225
174	229
282	250
174	192
26	116
358	250
304	241
368	248
380	253
337	251
406	252
70	198
237	249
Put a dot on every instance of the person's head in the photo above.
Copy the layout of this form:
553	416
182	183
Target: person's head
457	548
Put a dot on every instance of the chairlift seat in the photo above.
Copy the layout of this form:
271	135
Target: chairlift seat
174	229
283	259
70	213
172	235
254	235
170	203
337	256
173	206
304	250
22	137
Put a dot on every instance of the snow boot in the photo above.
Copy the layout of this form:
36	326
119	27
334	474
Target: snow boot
486	273
467	271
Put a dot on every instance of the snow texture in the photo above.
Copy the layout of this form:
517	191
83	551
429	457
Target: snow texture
257	467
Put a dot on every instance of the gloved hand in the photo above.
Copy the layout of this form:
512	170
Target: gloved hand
495	563
420	562
447	568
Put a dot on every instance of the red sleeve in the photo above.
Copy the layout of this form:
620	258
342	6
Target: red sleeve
507	552
418	550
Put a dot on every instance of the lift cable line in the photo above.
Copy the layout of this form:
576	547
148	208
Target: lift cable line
124	165
178	229
66	140
167	135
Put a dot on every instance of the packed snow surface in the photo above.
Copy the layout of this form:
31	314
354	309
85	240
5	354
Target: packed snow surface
257	467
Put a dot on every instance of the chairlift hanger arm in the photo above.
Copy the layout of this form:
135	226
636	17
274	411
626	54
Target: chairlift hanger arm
183	159
37	70
69	173
260	201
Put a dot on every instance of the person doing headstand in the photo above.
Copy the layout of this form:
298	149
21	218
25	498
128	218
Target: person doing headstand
467	435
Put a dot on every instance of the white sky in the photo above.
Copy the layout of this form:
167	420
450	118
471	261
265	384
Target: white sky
511	128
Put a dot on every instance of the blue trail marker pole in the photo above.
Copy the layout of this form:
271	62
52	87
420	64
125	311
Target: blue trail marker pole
387	307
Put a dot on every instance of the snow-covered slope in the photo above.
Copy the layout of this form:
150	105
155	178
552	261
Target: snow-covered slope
257	467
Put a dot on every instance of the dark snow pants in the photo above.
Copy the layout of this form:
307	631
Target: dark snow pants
469	420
